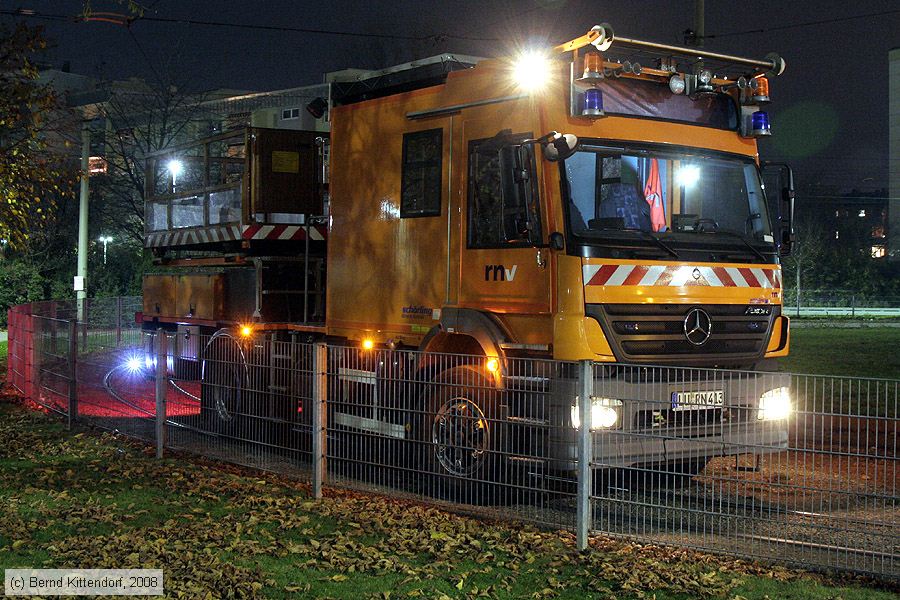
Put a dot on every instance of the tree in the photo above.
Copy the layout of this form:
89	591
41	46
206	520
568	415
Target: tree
33	169
140	118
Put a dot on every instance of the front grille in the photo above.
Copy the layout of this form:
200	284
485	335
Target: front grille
655	333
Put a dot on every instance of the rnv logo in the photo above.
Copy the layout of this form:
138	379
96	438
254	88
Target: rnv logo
499	273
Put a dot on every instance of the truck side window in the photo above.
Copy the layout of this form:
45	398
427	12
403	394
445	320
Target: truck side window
502	209
420	194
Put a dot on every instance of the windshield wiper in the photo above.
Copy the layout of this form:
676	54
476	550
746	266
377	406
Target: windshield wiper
646	235
744	241
649	236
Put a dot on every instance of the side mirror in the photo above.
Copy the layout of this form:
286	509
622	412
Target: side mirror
521	218
788	237
785	206
561	147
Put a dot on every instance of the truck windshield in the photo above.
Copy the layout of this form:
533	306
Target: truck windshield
675	197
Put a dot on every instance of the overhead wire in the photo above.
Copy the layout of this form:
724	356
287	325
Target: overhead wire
251	26
803	24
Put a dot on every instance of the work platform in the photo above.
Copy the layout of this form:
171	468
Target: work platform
242	188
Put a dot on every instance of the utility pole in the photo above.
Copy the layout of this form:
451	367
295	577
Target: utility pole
81	276
695	36
699	22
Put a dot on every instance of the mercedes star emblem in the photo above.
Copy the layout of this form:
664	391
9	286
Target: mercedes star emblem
697	326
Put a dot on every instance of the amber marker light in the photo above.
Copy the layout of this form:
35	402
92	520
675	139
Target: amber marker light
593	65
368	344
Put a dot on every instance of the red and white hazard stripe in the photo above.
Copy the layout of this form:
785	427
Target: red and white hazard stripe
186	237
682	275
283	232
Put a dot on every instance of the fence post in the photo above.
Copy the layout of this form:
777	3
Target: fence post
585	454
118	321
36	359
73	375
319	432
161	384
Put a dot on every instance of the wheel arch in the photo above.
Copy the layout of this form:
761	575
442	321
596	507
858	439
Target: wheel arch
464	331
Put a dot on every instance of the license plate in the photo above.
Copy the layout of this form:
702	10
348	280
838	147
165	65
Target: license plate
698	400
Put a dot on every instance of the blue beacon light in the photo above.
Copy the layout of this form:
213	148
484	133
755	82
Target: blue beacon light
759	122
593	103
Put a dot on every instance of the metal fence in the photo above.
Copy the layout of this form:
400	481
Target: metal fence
780	467
839	303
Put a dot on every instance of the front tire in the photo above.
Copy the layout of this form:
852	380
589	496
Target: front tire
462	437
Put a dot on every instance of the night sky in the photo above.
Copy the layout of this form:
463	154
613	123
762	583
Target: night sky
829	109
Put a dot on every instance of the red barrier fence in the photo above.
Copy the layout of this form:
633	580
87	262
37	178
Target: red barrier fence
20	351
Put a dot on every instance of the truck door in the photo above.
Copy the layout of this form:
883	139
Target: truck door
503	268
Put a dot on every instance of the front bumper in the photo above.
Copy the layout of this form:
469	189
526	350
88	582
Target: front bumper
650	432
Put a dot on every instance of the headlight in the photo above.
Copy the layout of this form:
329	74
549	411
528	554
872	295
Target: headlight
604	413
775	404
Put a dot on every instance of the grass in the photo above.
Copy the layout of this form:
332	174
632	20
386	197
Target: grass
863	352
96	500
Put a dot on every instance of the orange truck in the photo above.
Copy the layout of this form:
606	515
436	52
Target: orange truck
570	203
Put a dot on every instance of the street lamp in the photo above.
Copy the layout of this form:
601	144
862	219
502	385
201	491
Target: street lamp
105	239
175	168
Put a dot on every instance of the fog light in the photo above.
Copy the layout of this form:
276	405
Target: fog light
604	413
775	404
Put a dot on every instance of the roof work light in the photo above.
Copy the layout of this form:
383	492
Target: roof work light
531	70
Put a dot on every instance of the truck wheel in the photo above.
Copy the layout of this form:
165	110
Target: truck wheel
223	385
462	437
184	369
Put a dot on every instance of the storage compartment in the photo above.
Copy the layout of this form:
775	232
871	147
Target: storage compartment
200	296
285	176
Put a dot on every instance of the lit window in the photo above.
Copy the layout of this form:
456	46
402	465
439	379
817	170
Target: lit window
878	251
290	113
862	212
96	165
